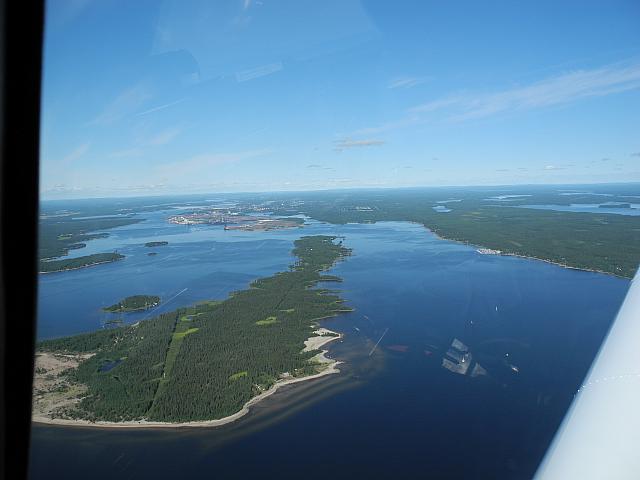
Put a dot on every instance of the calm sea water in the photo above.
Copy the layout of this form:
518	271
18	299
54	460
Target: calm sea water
633	210
392	413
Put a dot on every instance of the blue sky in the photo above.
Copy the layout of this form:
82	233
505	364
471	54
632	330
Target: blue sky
175	96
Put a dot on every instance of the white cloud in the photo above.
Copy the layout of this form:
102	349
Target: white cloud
76	154
258	72
557	90
406	82
436	105
204	162
386	127
141	145
164	137
126	103
129	152
160	107
349	143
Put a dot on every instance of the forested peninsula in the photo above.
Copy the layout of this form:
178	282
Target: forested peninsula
589	241
203	363
135	303
64	264
59	234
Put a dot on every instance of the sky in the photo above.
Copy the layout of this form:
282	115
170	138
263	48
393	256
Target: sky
176	96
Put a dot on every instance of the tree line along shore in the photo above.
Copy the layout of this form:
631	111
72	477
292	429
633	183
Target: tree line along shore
600	242
64	264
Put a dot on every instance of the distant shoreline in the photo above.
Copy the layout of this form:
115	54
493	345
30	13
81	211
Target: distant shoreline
80	268
491	251
143	424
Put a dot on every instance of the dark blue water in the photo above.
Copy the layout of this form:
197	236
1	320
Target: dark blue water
206	261
108	366
394	413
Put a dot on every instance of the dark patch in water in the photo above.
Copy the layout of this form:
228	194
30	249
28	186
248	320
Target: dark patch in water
110	365
398	348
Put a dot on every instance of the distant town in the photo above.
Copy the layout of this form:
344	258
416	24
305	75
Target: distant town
235	220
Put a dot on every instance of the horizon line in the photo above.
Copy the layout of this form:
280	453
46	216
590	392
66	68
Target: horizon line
157	195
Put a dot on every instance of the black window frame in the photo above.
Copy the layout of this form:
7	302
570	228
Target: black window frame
21	27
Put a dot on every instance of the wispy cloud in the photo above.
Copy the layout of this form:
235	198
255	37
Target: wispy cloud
389	126
62	190
142	145
553	167
160	107
406	82
164	137
129	152
316	166
635	154
436	105
204	162
347	143
258	72
66	12
557	90
76	154
126	103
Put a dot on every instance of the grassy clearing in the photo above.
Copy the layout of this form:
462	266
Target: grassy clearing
238	375
210	303
267	321
180	335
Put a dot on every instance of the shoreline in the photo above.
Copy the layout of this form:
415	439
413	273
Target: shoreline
491	251
143	424
518	255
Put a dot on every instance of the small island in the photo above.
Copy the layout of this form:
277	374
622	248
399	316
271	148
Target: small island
615	205
156	244
135	303
50	266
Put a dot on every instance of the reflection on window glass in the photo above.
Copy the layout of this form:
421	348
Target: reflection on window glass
341	238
